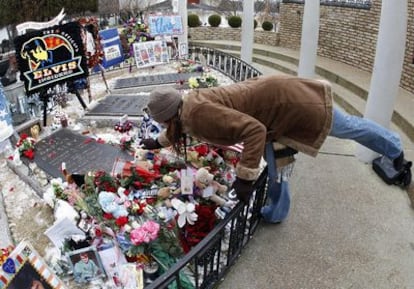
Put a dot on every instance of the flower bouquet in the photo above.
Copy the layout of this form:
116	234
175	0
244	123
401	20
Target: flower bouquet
25	146
203	81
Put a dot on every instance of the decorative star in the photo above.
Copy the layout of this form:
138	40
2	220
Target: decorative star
3	113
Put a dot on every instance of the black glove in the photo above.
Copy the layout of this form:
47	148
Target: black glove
150	144
243	189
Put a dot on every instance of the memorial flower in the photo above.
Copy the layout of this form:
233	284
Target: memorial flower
26	146
126	142
203	81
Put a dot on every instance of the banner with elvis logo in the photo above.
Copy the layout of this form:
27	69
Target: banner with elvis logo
50	56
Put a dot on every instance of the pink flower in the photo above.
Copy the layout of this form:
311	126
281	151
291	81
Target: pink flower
152	228
138	236
145	233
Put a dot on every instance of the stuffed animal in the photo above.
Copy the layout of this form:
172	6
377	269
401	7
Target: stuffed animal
211	189
110	203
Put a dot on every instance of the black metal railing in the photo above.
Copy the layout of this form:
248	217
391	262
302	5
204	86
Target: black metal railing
209	260
359	4
229	65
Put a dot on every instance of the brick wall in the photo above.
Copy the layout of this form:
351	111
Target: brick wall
407	79
346	34
231	34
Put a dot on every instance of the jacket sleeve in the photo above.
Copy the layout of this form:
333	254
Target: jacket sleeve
219	124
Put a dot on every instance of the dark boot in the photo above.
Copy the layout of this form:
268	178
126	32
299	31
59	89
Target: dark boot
399	162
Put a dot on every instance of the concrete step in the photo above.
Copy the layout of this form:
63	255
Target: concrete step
350	85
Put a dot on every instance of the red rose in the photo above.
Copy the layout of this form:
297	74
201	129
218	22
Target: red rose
108	216
121	221
29	154
202	149
98	232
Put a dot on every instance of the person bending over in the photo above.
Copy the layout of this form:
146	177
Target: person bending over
295	112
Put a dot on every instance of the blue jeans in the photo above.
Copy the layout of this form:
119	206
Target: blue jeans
367	133
278	194
279	202
345	126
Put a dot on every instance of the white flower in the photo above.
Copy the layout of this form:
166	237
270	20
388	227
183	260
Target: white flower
49	197
167	179
56	182
127	228
135	224
185	212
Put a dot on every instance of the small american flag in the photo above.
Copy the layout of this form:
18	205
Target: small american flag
236	147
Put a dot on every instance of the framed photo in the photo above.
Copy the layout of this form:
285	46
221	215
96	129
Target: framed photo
86	265
25	268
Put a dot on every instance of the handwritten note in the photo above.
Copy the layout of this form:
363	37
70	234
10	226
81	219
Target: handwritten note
165	25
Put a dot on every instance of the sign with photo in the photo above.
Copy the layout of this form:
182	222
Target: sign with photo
165	25
25	268
50	56
150	53
112	48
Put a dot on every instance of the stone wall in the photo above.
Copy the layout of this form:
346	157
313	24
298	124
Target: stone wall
231	34
348	35
407	79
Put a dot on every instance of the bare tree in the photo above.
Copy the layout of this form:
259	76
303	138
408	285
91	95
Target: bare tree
134	7
108	7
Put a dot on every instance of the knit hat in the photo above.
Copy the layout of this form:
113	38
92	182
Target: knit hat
163	103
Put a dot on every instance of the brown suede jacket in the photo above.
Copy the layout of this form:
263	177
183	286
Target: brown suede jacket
293	111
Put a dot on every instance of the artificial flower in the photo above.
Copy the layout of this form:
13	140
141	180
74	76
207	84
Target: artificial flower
145	233
185	212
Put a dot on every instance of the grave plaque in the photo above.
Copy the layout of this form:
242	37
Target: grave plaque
120	104
130	104
80	153
154	79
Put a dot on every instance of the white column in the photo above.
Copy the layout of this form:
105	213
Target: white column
247	32
309	39
183	38
386	75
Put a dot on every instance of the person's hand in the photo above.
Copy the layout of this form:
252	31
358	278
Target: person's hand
150	144
243	189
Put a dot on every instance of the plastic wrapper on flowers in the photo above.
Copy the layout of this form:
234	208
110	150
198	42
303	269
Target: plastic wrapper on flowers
142	208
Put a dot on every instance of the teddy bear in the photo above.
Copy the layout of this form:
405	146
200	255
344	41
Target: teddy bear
210	189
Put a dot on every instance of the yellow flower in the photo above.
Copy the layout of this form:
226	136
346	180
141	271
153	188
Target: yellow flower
193	82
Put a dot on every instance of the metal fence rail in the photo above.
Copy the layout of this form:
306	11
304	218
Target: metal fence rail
359	4
209	260
229	65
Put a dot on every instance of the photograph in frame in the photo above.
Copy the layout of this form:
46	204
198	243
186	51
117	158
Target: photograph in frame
86	265
25	268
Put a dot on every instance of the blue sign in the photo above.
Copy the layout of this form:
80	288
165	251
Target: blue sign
4	111
111	44
165	25
6	128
